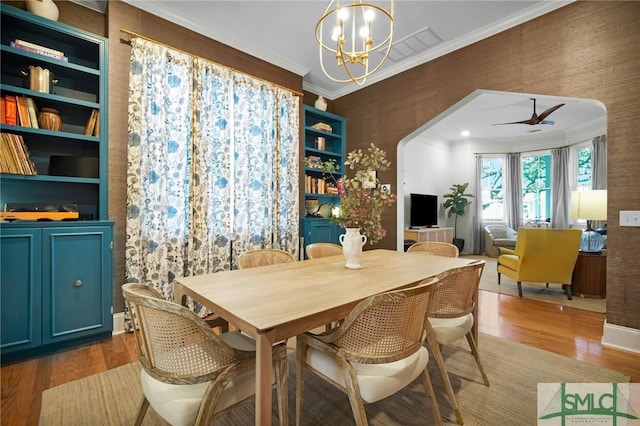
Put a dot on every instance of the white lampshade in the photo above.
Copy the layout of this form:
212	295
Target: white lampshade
589	205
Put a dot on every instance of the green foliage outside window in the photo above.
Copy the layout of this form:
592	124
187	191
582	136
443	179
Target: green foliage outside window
492	189
536	187
584	167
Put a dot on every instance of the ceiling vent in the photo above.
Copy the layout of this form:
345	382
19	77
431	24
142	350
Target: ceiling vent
97	5
413	44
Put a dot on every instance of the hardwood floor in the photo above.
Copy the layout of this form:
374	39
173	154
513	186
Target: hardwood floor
567	331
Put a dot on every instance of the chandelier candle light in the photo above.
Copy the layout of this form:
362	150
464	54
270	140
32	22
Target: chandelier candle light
357	35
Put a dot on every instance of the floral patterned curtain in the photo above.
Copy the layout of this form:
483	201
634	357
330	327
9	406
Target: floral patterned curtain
212	166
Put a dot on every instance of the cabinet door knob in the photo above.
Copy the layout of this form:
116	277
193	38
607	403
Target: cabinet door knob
78	283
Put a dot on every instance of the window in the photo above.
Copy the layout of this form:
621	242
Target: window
536	187
585	168
492	193
535	175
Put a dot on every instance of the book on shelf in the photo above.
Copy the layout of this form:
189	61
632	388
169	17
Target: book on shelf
15	155
11	110
96	130
91	123
10	155
2	118
30	167
23	112
39	51
24	43
23	163
4	156
33	112
322	126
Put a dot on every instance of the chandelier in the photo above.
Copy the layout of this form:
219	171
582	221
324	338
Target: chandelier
355	36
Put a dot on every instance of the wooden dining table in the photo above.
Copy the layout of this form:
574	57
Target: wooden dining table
276	302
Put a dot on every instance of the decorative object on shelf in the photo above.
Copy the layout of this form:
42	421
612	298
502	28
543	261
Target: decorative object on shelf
346	34
320	143
45	8
40	79
322	126
590	205
325	210
352	243
49	119
321	103
362	203
311	206
313	162
456	203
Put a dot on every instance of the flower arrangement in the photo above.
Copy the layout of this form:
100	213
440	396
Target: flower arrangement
361	197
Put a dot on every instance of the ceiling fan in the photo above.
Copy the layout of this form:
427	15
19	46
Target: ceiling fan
535	118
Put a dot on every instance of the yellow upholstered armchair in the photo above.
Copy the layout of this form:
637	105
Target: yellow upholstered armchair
541	255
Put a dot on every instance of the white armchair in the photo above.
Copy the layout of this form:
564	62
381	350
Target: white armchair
496	236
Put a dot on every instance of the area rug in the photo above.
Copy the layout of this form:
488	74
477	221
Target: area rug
538	291
514	370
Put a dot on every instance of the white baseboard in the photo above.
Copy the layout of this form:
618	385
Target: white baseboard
619	337
118	323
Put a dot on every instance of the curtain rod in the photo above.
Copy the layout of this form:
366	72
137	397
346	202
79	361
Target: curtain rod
134	34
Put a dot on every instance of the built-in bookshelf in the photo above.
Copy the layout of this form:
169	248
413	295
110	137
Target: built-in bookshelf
324	140
55	237
54	98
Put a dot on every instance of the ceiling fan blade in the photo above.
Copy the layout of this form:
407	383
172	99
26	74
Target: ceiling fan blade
529	121
548	111
535	118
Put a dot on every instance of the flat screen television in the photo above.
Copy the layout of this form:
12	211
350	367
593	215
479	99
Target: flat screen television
423	211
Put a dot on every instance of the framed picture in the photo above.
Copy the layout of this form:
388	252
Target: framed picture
371	180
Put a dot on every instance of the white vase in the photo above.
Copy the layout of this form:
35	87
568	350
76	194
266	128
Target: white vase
45	8
352	242
321	103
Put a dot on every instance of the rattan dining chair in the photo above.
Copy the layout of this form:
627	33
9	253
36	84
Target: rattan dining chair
316	250
190	375
435	247
264	257
450	318
376	352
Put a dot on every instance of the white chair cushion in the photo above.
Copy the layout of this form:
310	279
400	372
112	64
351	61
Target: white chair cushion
179	404
448	330
376	381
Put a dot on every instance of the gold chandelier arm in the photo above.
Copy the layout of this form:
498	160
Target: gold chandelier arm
356	64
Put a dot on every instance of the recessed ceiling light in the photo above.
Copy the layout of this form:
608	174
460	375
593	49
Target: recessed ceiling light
465	133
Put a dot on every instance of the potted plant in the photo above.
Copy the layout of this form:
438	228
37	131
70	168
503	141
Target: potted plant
362	201
456	203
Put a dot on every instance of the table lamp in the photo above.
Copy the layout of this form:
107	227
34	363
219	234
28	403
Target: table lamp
590	205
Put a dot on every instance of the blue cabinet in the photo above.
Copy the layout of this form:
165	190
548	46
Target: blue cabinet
324	140
56	277
56	284
320	231
20	289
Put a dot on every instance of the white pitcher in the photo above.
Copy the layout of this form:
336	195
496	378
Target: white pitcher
352	243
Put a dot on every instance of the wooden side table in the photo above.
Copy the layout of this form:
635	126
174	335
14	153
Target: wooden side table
589	277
